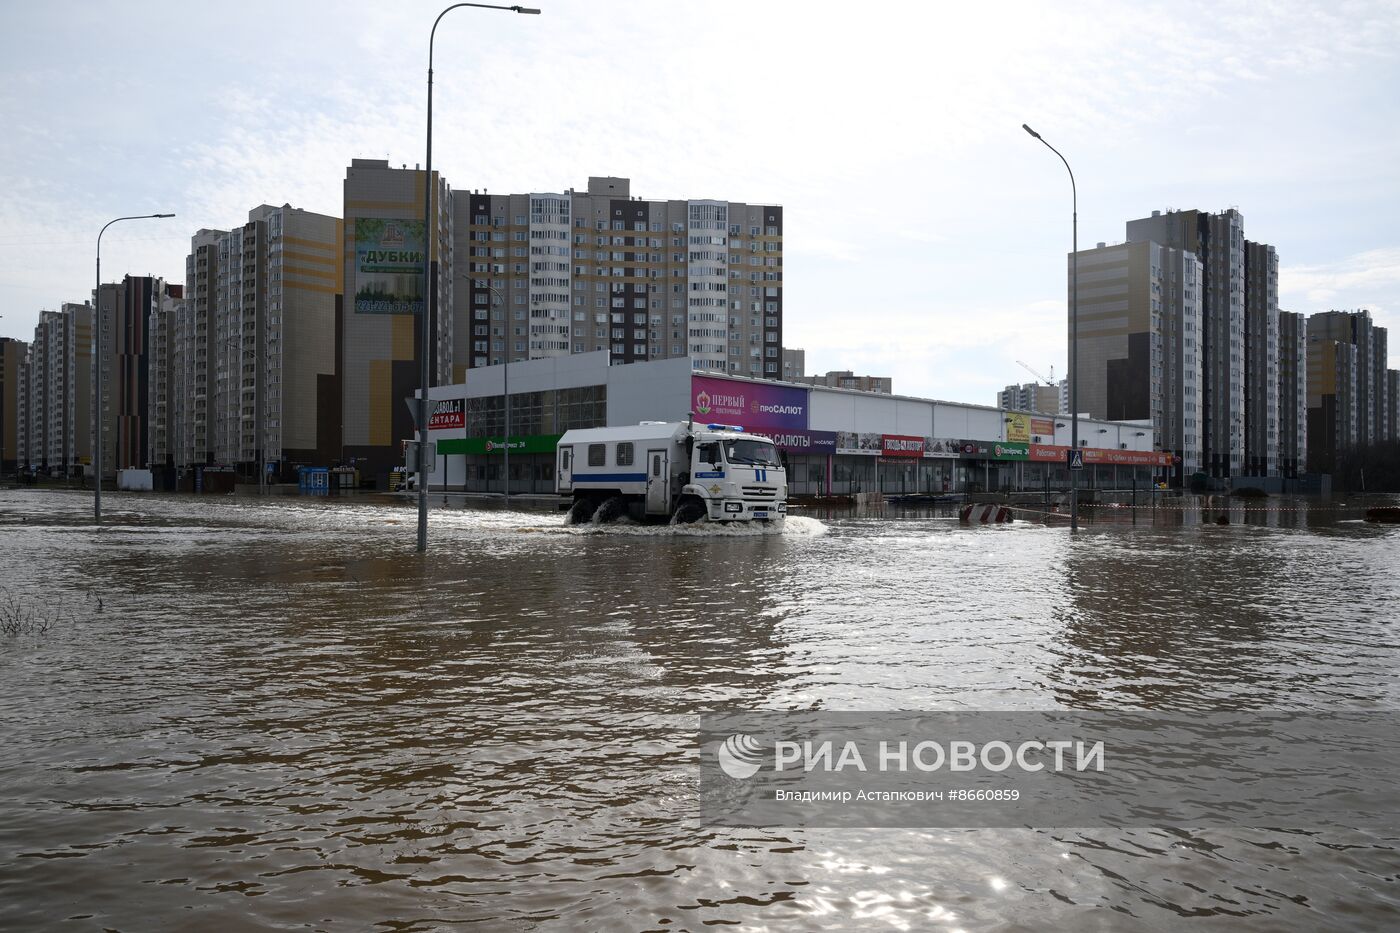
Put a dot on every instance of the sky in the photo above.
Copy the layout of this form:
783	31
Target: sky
925	233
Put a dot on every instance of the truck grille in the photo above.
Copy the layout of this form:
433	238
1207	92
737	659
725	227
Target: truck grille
759	492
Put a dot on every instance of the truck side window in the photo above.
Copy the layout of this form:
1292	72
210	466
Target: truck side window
709	453
656	465
624	454
597	454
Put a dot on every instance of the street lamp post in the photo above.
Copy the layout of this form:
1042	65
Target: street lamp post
1073	335
430	307
97	418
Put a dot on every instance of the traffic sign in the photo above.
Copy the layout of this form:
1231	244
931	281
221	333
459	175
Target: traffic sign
1075	459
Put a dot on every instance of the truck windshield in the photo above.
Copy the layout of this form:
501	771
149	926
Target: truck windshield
761	453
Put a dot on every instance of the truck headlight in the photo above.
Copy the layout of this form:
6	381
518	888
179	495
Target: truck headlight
782	506
734	506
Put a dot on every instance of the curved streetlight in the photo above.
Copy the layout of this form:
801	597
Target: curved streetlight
430	307
1073	337
97	418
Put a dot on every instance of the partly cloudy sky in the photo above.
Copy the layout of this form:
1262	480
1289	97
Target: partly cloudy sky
925	232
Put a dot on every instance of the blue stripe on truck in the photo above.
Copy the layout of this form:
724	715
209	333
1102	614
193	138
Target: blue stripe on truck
610	478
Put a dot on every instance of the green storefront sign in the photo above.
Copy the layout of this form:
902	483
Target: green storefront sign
528	444
991	450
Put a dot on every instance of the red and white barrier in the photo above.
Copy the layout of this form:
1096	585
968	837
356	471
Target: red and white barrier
984	513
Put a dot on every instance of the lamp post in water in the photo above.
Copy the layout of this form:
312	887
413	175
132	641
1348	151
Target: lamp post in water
97	419
430	306
1073	336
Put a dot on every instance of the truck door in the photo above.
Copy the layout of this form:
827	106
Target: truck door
658	482
566	469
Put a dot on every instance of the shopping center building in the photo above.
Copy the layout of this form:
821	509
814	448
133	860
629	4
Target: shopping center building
835	441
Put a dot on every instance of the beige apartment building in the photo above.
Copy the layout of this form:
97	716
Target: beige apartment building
1348	385
1030	396
384	296
248	357
1139	342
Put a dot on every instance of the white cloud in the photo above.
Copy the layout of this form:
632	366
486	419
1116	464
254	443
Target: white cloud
1369	280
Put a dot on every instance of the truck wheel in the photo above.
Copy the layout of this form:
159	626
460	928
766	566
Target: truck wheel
687	513
611	510
581	511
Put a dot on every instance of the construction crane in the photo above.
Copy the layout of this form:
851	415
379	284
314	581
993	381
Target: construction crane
1049	382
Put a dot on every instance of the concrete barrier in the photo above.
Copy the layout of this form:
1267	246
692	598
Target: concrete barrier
135	481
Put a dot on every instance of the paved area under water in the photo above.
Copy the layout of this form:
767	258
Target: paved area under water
234	713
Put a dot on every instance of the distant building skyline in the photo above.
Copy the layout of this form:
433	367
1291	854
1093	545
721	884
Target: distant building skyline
1032	396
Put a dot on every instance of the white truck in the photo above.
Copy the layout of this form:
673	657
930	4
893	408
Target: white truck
675	471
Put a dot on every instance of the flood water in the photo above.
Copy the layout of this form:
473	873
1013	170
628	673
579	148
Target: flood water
244	713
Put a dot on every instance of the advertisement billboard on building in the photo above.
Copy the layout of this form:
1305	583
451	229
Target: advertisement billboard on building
805	442
519	444
853	442
899	445
756	406
942	447
388	266
1043	427
1053	453
1018	428
992	450
448	413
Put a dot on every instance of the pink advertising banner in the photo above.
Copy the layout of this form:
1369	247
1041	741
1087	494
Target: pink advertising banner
755	406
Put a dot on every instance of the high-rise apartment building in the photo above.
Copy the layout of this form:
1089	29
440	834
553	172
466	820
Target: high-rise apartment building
163	411
192	348
1261	360
299	419
1348	384
550	274
1217	240
1140	325
1393	404
59	392
1332	370
1292	394
13	373
251	371
125	312
385	295
1030	396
